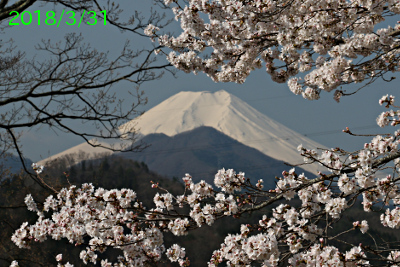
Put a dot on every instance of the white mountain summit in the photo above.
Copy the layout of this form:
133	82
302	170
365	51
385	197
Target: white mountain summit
231	116
226	113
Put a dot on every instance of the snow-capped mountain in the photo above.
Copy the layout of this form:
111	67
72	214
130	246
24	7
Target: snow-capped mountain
225	112
230	115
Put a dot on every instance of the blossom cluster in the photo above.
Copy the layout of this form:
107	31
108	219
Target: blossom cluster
37	168
318	255
99	214
229	39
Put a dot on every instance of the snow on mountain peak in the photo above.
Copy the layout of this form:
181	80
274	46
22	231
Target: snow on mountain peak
182	112
229	114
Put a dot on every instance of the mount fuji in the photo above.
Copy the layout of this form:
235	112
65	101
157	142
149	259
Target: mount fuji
230	115
224	112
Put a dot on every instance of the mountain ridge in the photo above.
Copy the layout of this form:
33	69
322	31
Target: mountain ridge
224	112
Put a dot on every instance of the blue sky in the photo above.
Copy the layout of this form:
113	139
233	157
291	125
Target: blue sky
321	120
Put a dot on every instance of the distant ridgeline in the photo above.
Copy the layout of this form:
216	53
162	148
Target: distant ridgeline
201	152
12	164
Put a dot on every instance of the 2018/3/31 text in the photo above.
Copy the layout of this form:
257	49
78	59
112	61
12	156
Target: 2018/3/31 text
26	17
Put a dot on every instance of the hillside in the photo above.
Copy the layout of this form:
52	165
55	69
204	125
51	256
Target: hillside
202	152
11	164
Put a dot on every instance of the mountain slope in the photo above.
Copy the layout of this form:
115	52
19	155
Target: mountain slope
95	152
201	152
228	114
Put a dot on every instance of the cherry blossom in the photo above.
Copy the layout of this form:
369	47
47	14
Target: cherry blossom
37	168
229	39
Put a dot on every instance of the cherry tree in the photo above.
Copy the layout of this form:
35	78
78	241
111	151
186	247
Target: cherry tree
228	39
317	37
295	235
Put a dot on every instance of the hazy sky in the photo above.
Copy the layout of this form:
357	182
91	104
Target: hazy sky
321	120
